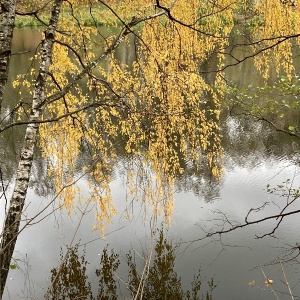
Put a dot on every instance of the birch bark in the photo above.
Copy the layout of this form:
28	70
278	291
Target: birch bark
8	9
13	216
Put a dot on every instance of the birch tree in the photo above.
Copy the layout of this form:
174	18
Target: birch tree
13	217
6	33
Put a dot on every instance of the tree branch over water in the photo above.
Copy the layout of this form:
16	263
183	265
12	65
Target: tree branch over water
226	222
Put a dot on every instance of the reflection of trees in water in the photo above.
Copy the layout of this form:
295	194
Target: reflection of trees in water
197	178
40	181
9	152
158	279
70	279
248	142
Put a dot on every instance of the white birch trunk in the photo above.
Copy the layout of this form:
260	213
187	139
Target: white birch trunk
8	8
13	216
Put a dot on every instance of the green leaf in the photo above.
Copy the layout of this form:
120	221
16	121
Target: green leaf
291	128
13	267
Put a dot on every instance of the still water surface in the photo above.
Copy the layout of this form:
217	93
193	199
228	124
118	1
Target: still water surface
254	157
232	264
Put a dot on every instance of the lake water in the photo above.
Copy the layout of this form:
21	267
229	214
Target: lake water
255	156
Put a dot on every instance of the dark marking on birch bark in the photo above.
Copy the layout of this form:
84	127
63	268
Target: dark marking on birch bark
5	52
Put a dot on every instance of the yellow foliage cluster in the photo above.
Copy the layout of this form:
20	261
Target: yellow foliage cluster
280	22
159	112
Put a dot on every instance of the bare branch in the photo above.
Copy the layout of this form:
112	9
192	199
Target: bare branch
248	223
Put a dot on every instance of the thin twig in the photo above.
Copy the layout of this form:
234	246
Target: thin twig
269	285
286	281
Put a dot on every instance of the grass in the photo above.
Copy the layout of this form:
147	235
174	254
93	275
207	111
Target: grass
100	17
29	21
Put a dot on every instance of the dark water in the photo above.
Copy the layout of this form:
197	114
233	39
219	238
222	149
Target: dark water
255	156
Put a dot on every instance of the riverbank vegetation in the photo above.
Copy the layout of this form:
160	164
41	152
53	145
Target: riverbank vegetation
96	15
100	15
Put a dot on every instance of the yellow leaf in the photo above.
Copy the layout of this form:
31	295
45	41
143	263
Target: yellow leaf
252	283
268	281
